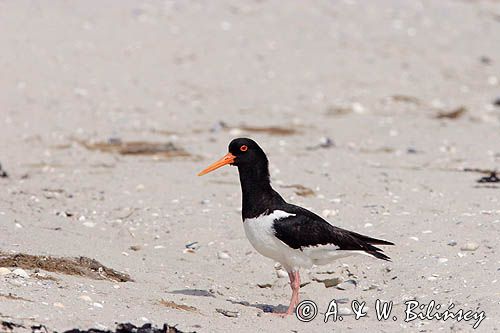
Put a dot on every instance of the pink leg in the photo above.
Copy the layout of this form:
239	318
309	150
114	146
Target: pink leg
295	285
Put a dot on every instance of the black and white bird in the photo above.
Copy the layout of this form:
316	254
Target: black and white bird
286	233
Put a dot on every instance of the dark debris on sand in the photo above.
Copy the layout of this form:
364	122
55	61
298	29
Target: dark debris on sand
492	178
453	114
130	328
3	173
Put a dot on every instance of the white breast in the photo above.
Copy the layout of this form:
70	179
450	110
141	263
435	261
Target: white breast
260	233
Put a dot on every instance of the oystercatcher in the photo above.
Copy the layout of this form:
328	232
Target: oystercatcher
286	233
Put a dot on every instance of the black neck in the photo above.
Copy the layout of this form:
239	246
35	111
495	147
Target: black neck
258	196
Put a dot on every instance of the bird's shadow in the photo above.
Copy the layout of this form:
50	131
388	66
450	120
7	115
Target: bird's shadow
267	308
264	307
193	292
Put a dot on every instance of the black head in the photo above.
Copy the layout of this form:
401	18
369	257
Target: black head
247	152
243	153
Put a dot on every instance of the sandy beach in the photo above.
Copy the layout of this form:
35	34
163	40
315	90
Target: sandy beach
380	116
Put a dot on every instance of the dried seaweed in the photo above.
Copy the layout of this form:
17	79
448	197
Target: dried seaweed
271	130
80	266
13	297
454	114
173	305
157	149
405	99
300	190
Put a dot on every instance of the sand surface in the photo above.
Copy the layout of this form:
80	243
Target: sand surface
404	89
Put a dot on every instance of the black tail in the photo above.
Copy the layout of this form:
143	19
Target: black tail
379	255
373	250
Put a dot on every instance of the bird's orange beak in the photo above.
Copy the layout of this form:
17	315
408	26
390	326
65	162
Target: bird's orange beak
227	159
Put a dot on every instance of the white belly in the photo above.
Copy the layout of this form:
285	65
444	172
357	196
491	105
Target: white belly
260	233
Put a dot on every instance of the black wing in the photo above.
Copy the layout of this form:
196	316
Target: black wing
308	229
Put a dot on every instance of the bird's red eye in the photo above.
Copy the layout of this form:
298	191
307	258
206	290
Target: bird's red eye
243	148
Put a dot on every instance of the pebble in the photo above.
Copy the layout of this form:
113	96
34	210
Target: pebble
442	260
59	305
21	273
4	271
344	311
15	282
470	246
135	247
372	287
223	255
347	285
89	224
98	305
328	213
452	243
329	282
281	273
86	298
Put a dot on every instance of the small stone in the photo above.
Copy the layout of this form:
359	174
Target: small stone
329	213
442	260
347	285
281	273
452	243
470	246
21	273
4	271
59	305
329	282
344	311
98	305
86	298
15	282
89	224
223	255
135	247
372	287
